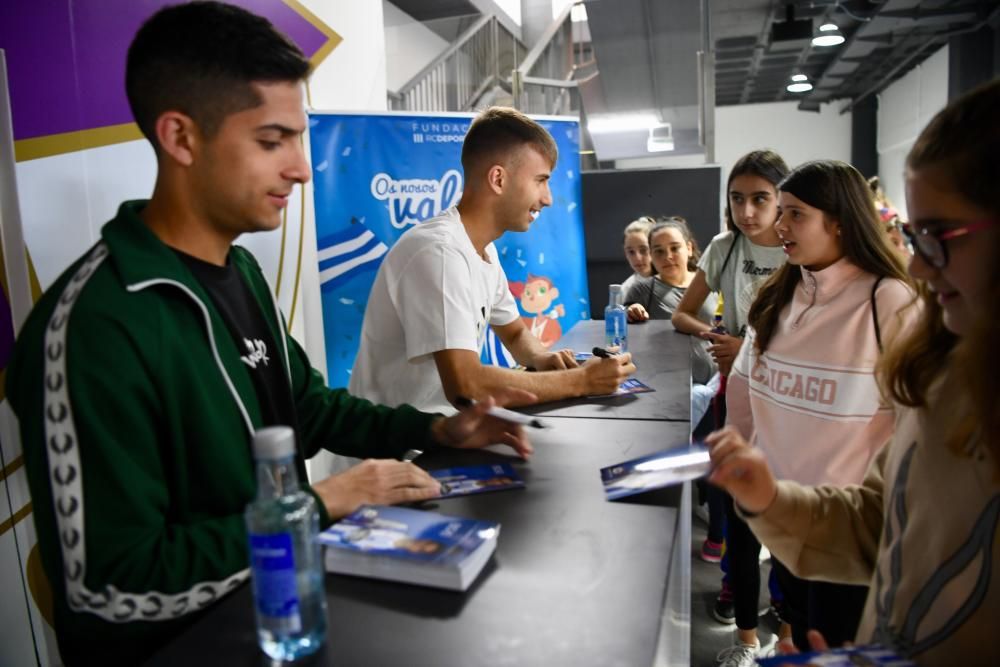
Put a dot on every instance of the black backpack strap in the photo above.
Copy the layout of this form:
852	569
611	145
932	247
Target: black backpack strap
878	329
732	247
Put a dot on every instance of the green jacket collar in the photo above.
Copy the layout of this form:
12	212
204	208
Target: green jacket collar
137	253
141	257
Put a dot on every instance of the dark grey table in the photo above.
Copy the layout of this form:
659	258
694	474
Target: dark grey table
576	580
663	361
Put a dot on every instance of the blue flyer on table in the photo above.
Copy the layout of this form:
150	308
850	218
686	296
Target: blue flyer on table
476	479
630	386
410	534
655	471
865	656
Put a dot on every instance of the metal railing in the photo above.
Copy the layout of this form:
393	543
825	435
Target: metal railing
546	81
478	61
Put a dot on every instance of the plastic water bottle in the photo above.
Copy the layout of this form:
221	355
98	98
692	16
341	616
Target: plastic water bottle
718	326
285	560
615	322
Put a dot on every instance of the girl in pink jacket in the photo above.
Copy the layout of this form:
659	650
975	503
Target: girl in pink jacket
803	387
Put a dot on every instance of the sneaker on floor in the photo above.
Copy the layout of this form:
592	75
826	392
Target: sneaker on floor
724	611
769	648
711	552
738	655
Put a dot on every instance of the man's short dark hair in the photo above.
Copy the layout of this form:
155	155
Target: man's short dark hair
499	130
200	58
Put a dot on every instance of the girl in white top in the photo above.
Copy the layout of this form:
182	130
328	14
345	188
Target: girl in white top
738	260
735	264
637	250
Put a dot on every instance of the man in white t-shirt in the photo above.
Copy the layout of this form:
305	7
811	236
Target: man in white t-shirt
442	285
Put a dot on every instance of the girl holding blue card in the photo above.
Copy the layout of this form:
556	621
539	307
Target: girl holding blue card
921	528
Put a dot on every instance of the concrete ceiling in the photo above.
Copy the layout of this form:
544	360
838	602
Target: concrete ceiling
884	40
429	10
450	18
646	53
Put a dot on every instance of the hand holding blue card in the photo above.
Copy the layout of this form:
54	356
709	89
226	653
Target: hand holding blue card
655	471
854	656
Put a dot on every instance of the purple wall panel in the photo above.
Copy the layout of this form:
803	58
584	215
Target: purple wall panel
38	45
66	58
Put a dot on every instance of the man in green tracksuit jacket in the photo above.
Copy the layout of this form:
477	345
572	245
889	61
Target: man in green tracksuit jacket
143	372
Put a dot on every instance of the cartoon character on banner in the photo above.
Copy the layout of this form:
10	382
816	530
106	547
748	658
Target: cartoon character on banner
537	294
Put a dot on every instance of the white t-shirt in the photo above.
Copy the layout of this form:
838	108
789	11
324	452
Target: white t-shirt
748	267
433	292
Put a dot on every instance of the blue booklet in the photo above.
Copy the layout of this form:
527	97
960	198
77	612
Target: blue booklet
409	545
865	656
655	471
632	386
467	480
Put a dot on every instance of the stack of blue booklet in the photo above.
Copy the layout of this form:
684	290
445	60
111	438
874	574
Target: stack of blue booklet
409	545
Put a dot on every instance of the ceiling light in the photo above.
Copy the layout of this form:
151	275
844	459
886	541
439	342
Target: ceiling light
801	87
799	77
829	35
622	123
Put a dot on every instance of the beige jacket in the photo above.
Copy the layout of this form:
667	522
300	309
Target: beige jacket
921	530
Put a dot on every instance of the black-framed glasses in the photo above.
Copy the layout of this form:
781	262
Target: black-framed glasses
931	245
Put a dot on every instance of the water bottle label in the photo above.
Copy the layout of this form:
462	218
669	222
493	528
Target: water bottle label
616	331
274	581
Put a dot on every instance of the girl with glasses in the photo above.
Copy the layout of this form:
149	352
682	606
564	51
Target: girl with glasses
921	528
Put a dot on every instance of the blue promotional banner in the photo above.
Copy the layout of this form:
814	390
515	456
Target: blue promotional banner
377	175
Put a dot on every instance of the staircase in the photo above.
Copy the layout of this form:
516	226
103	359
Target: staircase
487	65
474	71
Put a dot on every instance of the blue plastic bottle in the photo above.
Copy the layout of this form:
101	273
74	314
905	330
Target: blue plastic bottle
615	322
285	559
